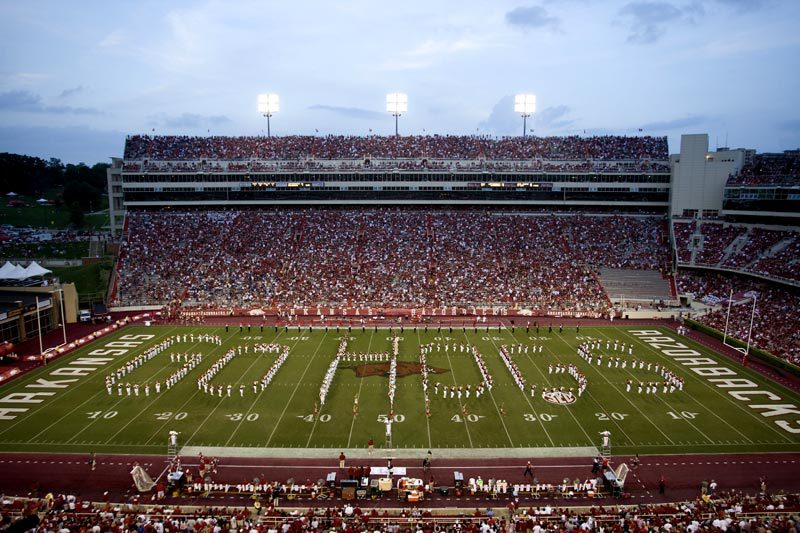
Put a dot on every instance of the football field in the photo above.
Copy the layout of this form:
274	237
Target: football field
70	406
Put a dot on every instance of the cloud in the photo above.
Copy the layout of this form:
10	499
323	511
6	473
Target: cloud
188	120
349	112
70	92
552	117
29	102
532	17
676	123
648	21
113	39
431	51
743	6
504	121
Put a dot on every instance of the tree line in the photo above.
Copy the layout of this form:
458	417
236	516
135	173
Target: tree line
83	185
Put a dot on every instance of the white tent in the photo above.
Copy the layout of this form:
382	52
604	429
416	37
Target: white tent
41	201
5	269
12	193
16	273
35	269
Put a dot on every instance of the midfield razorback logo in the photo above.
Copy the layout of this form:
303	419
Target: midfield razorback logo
559	397
403	369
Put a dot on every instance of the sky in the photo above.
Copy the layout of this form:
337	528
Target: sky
77	77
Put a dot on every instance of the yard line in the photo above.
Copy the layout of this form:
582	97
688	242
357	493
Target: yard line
716	391
624	396
98	418
156	397
589	394
250	409
164	369
692	397
195	393
658	396
453	373
358	394
547	380
427	420
60	398
526	399
299	381
187	441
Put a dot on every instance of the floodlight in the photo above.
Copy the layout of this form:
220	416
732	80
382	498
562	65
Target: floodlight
267	105
396	104
525	105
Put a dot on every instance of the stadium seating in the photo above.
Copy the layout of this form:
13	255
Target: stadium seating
380	257
723	512
772	253
769	169
298	148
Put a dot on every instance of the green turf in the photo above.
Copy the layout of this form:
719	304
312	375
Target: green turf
91	279
83	417
49	216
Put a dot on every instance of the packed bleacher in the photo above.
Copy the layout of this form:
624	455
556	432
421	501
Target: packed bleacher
769	169
380	257
777	315
734	512
769	252
298	147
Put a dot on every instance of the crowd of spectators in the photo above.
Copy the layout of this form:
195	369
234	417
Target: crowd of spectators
759	240
735	512
776	325
756	254
296	147
380	257
770	169
716	238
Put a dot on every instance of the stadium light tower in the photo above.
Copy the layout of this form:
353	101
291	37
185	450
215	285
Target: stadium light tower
396	104
525	104
267	105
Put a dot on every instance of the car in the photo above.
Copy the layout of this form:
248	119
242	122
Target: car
85	315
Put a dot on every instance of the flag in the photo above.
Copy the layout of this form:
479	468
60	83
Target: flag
370	130
640	129
315	129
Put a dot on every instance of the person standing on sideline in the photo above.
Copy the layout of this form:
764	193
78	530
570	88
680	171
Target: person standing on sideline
662	485
371	446
341	460
528	470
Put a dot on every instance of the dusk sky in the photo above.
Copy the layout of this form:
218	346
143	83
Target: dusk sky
76	77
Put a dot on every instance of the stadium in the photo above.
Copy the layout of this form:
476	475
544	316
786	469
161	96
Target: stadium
444	324
473	304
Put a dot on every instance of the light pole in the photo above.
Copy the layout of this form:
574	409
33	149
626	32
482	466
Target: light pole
267	105
39	326
63	318
396	105
525	105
